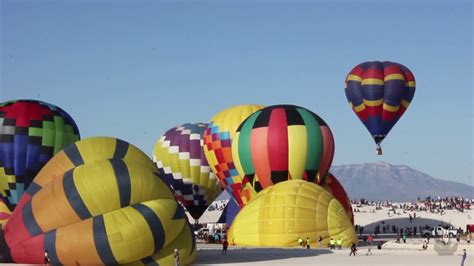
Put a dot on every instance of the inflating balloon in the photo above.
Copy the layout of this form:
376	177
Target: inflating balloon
379	93
182	164
218	149
280	214
282	142
337	190
99	211
31	132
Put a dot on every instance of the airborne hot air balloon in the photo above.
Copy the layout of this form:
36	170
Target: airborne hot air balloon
218	149
88	210
182	164
31	132
379	93
282	142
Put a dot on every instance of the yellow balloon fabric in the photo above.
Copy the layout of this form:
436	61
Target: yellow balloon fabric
4	214
85	151
101	211
218	149
184	243
280	214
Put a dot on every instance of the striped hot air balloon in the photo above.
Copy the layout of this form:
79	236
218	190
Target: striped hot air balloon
100	201
283	142
31	132
182	164
85	151
379	94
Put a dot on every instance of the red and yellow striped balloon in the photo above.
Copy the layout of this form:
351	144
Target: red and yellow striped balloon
280	143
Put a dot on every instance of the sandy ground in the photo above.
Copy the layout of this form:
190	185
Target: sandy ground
392	253
410	254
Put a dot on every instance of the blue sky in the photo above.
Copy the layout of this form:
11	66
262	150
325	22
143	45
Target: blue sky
134	69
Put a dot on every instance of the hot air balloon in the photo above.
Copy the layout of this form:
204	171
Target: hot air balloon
113	210
333	186
182	164
31	132
379	93
81	152
280	214
282	142
218	149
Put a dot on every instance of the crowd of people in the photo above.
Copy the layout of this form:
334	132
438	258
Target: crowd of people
429	204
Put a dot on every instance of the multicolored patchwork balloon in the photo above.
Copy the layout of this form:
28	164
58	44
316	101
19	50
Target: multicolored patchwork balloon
182	164
31	132
379	94
283	142
218	149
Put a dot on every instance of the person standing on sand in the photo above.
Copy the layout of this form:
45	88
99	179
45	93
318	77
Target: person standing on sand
425	245
308	244
225	244
353	249
332	244
464	256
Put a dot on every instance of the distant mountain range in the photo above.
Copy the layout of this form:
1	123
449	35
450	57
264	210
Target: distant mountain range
384	181
380	181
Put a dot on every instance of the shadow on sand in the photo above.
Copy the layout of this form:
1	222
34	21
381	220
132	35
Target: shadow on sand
402	222
213	256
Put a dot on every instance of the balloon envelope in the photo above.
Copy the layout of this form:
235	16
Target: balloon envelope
280	214
282	142
99	211
81	152
182	164
379	94
333	186
31	132
218	149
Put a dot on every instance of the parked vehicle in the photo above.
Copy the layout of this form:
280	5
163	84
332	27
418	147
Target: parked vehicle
440	231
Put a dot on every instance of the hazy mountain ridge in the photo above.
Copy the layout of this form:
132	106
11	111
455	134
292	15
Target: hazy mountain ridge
379	181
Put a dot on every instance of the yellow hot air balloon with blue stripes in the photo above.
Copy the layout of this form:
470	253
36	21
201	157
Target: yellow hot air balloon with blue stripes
113	210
